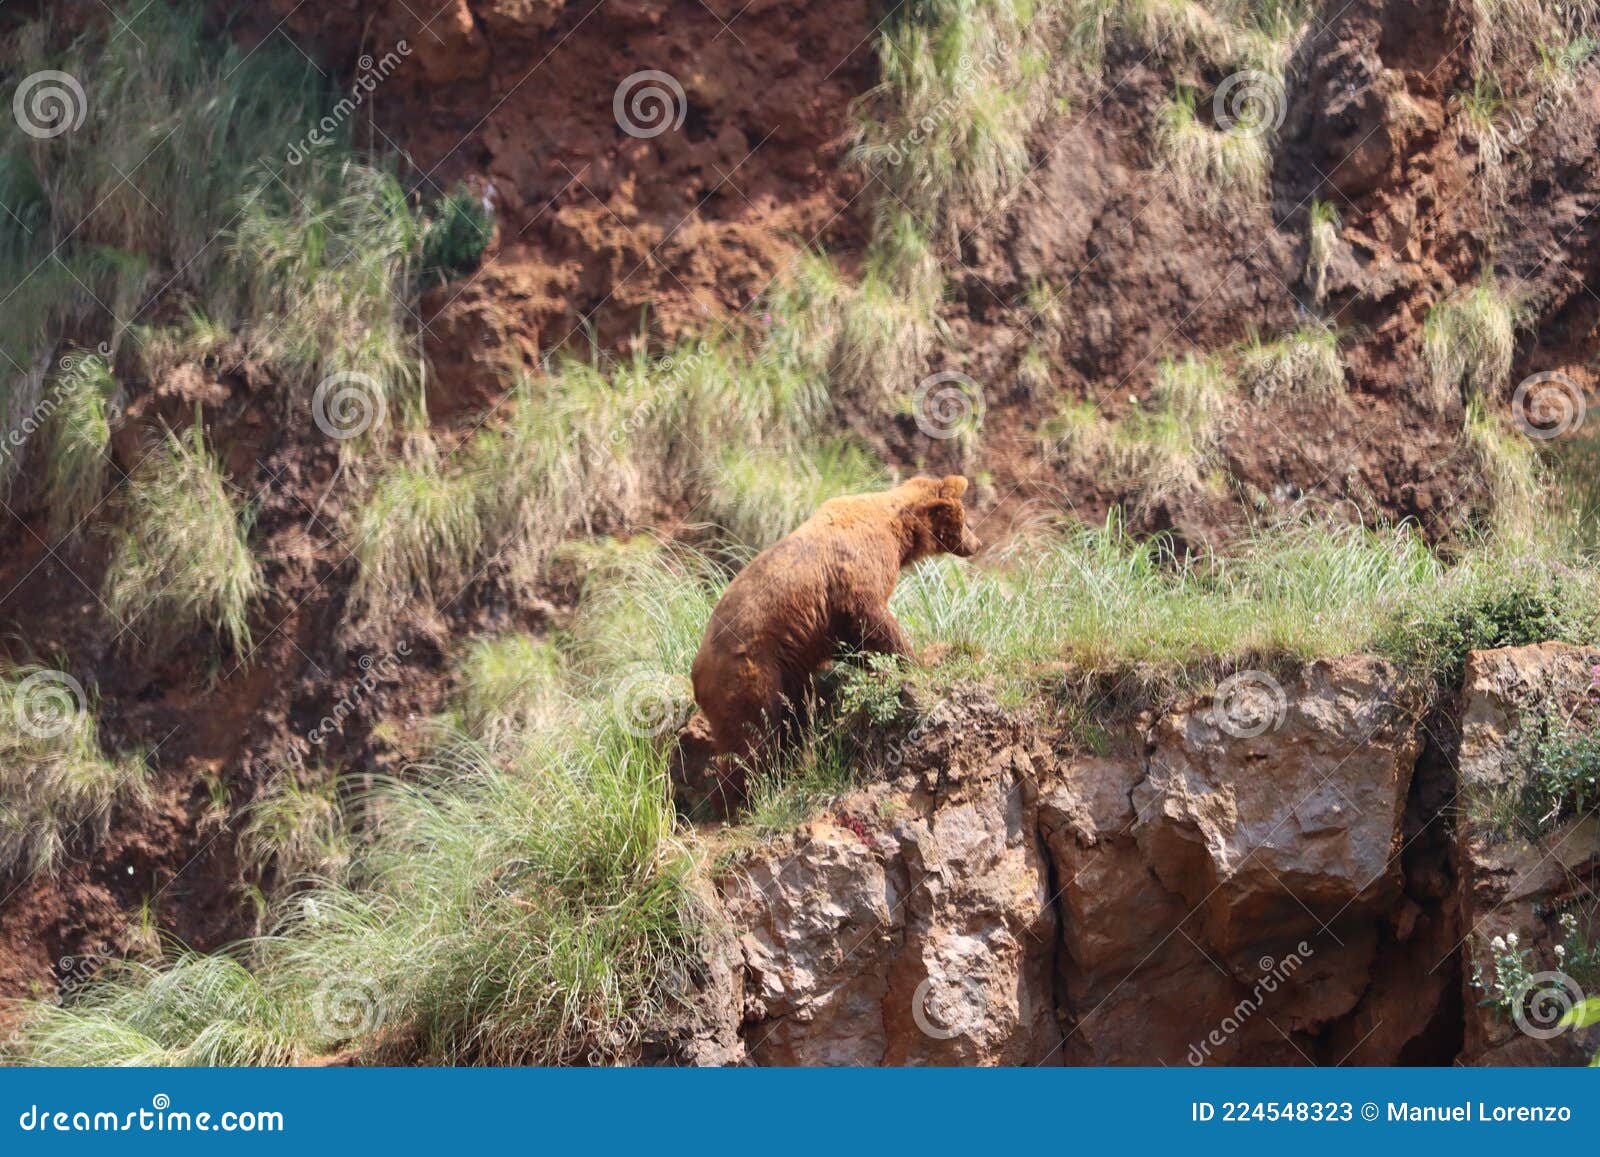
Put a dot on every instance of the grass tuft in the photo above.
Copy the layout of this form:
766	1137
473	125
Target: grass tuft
1468	341
56	783
183	563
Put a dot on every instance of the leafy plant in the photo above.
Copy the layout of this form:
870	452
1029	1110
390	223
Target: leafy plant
455	237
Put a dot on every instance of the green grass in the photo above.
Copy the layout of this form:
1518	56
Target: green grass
585	448
77	440
57	785
1322	238
416	536
509	685
182	563
1468	342
297	832
946	129
1219	168
173	195
758	497
1305	363
325	274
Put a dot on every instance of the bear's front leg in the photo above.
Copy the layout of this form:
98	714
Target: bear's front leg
878	631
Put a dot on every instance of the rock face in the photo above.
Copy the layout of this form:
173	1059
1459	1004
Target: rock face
1266	876
915	925
1520	876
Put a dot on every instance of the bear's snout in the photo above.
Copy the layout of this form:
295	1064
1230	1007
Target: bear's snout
970	544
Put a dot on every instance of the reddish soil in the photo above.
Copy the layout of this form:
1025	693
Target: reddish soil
604	236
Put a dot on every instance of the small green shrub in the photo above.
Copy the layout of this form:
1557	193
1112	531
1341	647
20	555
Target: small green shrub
1493	601
455	237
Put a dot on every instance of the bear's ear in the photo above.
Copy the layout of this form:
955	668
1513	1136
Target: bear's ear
954	486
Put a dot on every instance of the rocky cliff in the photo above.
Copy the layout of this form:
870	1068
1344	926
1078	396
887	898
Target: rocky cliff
1287	873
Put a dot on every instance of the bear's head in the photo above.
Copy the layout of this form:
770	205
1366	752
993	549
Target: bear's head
934	520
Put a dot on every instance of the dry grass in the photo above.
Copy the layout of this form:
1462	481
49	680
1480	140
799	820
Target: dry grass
183	563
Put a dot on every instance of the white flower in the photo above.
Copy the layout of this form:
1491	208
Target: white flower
1511	939
1498	944
1561	951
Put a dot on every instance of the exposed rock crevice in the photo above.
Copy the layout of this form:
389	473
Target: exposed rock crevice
1297	894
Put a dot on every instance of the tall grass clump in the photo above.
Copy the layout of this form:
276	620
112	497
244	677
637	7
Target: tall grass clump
327	268
946	129
1509	464
57	785
296	831
195	1011
416	535
174	186
758	497
510	685
1322	239
132	199
183	561
1211	166
1305	362
1468	342
77	438
582	449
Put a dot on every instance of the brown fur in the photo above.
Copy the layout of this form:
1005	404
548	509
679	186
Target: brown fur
825	586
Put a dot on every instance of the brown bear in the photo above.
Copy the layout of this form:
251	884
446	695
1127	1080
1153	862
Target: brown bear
823	587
